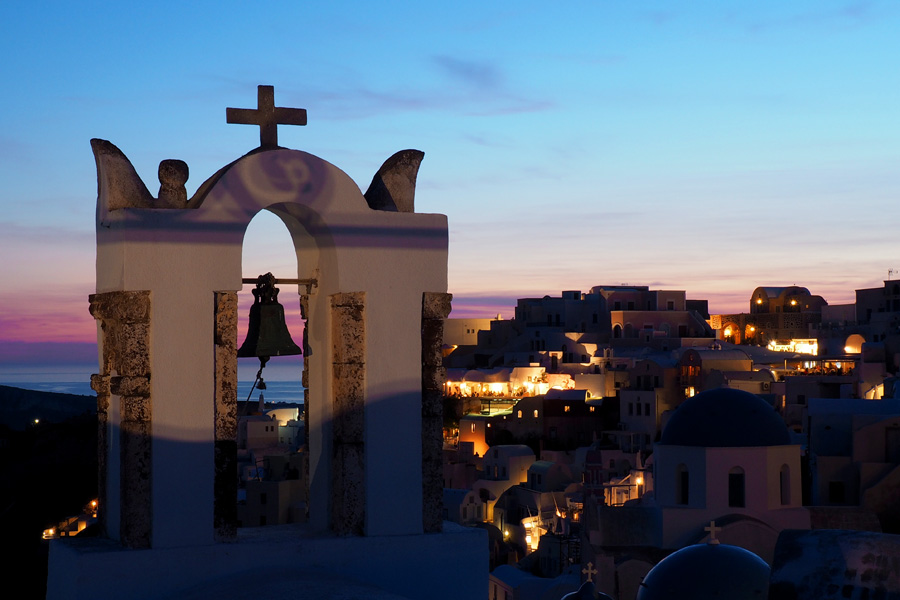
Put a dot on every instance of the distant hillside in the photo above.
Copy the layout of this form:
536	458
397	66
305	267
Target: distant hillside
19	408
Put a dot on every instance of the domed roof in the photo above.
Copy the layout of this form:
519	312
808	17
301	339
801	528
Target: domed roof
725	418
707	571
587	591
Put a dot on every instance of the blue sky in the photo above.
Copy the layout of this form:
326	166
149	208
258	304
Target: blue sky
704	146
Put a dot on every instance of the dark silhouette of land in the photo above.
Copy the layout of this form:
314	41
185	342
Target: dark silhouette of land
19	408
48	471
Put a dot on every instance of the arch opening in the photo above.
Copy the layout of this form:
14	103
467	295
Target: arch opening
268	248
272	473
853	343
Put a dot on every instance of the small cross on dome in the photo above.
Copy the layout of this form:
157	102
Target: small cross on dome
712	530
590	571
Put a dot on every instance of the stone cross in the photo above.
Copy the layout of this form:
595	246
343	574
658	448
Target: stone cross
267	116
590	571
711	530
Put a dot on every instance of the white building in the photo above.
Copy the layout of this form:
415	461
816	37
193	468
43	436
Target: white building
726	455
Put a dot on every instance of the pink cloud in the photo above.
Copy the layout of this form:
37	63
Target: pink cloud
45	316
42	353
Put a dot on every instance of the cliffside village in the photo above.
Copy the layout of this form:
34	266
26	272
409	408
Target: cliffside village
563	438
567	444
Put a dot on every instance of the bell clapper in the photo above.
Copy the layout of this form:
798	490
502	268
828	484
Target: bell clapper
259	379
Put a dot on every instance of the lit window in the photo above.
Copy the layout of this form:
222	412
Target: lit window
473	427
535	413
567	408
519	414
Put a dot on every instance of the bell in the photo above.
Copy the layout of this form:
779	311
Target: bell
267	333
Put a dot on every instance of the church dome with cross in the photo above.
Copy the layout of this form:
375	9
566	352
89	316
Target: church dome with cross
725	418
707	571
726	455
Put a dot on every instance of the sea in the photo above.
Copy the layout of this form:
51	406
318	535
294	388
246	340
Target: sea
282	380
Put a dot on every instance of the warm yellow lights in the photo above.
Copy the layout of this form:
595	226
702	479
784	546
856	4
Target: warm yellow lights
793	303
534	528
639	480
854	344
759	300
875	393
808	346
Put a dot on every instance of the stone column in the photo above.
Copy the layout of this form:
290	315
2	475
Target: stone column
225	484
435	308
304	382
348	483
125	372
100	384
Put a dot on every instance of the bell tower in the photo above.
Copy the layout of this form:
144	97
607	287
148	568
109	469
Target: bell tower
168	270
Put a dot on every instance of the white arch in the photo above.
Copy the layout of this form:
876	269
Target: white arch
184	256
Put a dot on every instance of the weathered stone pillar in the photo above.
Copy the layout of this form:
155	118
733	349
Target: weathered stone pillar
435	308
100	384
125	325
225	484
348	484
304	382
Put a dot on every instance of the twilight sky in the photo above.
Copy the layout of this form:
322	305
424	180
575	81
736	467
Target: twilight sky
704	146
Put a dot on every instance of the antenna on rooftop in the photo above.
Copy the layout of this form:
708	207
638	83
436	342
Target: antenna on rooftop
890	272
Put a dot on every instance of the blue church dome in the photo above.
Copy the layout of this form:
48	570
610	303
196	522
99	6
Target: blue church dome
725	418
707	572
